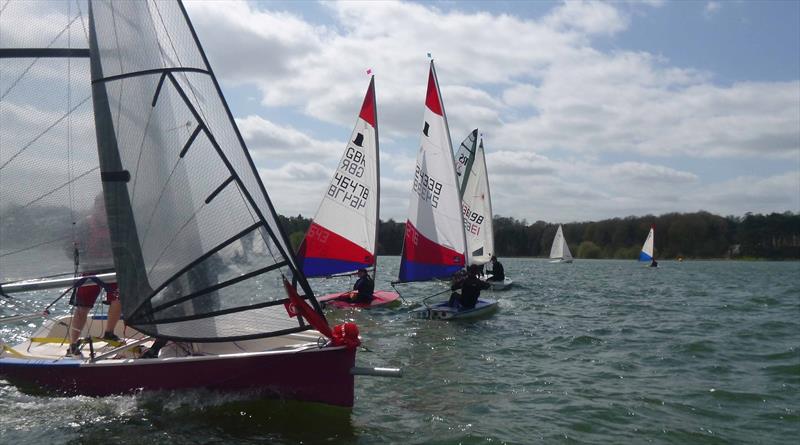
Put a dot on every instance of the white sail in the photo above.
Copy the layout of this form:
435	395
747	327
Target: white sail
560	249
343	234
476	206
434	241
647	249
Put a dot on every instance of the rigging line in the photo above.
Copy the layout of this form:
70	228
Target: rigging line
83	25
25	71
50	127
25	249
69	131
58	188
169	244
148	224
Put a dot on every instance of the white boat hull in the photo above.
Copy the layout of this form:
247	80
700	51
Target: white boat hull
499	285
561	260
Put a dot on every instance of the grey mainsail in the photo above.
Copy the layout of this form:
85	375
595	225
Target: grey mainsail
199	249
52	216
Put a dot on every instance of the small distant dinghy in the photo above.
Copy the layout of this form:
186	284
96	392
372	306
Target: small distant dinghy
560	253
344	232
441	311
648	253
379	298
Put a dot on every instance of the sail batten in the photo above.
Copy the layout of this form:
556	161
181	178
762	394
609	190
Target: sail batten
194	227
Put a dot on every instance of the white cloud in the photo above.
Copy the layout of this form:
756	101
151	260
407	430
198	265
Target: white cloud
539	87
272	143
590	17
712	8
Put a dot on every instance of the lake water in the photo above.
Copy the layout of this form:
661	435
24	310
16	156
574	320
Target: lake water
591	352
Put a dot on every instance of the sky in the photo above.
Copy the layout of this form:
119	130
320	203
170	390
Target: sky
589	110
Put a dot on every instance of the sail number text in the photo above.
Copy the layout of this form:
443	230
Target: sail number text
348	191
344	186
472	220
353	162
427	188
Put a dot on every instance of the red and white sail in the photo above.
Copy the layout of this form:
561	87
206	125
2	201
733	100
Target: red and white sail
434	242
342	236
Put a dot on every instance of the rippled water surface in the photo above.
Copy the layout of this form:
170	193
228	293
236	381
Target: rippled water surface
590	352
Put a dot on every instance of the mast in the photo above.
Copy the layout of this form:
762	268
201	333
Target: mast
378	177
450	150
490	216
121	222
188	211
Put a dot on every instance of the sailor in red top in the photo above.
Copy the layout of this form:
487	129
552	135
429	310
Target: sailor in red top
96	247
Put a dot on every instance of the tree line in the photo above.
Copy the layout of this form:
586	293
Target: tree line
677	235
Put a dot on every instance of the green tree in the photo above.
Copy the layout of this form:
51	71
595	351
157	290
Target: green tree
588	249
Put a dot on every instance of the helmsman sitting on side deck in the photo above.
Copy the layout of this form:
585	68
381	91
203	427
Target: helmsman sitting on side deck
470	286
362	290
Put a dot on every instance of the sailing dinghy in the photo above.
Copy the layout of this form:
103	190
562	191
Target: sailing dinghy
344	232
559	252
476	205
648	248
434	245
202	263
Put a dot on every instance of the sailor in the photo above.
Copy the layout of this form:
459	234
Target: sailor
97	248
362	289
470	287
497	272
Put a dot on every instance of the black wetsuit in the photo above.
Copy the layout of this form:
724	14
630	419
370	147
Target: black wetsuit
498	273
365	287
470	291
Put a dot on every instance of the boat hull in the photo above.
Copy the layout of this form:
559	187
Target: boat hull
500	285
380	298
441	311
561	260
313	375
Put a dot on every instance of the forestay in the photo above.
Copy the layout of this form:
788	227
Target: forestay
342	236
52	216
434	244
197	244
476	202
